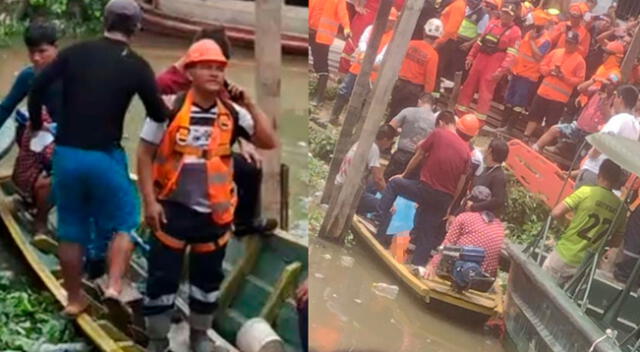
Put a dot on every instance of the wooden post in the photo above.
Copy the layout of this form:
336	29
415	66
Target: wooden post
360	91
631	56
337	218
268	54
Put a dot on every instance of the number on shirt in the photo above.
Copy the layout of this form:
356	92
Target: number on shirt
595	222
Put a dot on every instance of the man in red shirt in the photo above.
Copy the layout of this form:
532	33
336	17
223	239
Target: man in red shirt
476	228
445	157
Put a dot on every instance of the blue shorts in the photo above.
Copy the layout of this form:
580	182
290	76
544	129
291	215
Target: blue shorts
572	132
520	91
94	195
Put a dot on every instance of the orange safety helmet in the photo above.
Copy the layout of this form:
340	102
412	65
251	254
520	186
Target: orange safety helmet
578	9
615	48
205	50
393	15
540	17
468	124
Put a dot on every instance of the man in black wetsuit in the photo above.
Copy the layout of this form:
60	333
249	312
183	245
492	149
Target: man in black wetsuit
91	178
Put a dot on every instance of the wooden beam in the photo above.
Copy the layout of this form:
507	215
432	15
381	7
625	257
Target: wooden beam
360	92
268	56
631	56
337	219
282	289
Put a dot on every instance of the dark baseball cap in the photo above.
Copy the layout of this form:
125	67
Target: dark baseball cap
128	8
510	9
573	37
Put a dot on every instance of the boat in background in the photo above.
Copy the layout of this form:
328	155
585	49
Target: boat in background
183	18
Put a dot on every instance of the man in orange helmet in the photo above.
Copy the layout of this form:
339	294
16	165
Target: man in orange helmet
563	70
444	159
614	53
526	71
345	89
185	174
575	24
323	27
489	60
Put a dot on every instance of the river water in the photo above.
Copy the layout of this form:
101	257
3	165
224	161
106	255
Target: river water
162	52
347	315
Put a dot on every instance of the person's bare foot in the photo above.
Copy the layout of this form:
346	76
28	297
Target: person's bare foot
75	308
113	293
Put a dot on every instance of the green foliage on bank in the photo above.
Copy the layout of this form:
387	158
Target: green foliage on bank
73	17
29	317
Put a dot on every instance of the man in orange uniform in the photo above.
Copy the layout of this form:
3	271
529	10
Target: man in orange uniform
418	72
526	71
345	89
575	24
563	70
614	52
452	17
324	21
490	59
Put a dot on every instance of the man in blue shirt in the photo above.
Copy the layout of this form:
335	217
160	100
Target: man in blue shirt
41	40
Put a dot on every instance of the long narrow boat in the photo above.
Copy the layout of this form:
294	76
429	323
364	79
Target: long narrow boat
262	273
183	18
489	304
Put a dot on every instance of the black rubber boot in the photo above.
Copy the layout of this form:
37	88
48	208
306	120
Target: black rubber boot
321	87
338	106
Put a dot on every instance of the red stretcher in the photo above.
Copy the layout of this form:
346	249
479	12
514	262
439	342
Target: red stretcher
537	174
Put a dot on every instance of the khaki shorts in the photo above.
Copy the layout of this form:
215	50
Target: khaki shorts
558	269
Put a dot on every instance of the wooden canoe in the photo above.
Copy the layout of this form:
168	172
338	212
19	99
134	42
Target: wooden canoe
183	18
489	304
262	274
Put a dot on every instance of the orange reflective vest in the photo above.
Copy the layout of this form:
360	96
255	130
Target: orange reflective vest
173	149
559	36
573	70
334	14
315	12
526	64
610	66
452	17
356	66
420	65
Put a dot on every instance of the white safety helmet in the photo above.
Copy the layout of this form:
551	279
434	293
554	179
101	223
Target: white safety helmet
434	28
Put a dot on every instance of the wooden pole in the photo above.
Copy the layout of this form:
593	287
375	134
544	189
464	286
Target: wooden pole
360	91
337	218
631	56
268	56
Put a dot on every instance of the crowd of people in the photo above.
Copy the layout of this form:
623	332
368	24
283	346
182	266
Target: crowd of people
195	191
557	71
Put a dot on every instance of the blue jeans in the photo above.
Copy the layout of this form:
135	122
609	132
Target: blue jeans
519	91
347	85
433	205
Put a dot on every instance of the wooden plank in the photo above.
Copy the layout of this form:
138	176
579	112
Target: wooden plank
631	56
336	220
281	290
233	282
267	81
113	332
357	100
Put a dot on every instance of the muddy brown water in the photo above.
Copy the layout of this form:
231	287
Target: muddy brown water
161	52
347	315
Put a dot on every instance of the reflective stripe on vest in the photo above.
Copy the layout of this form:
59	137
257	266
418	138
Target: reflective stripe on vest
219	164
558	89
327	29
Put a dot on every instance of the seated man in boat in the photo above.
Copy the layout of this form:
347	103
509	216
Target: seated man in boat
623	123
32	168
594	209
247	164
478	228
414	125
591	119
374	180
186	181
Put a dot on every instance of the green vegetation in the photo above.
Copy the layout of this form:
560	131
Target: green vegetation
73	17
29	317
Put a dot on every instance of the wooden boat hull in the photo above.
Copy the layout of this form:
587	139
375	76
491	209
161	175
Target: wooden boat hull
541	317
184	18
263	272
489	304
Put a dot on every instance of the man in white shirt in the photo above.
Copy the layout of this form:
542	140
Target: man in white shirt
373	177
624	123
